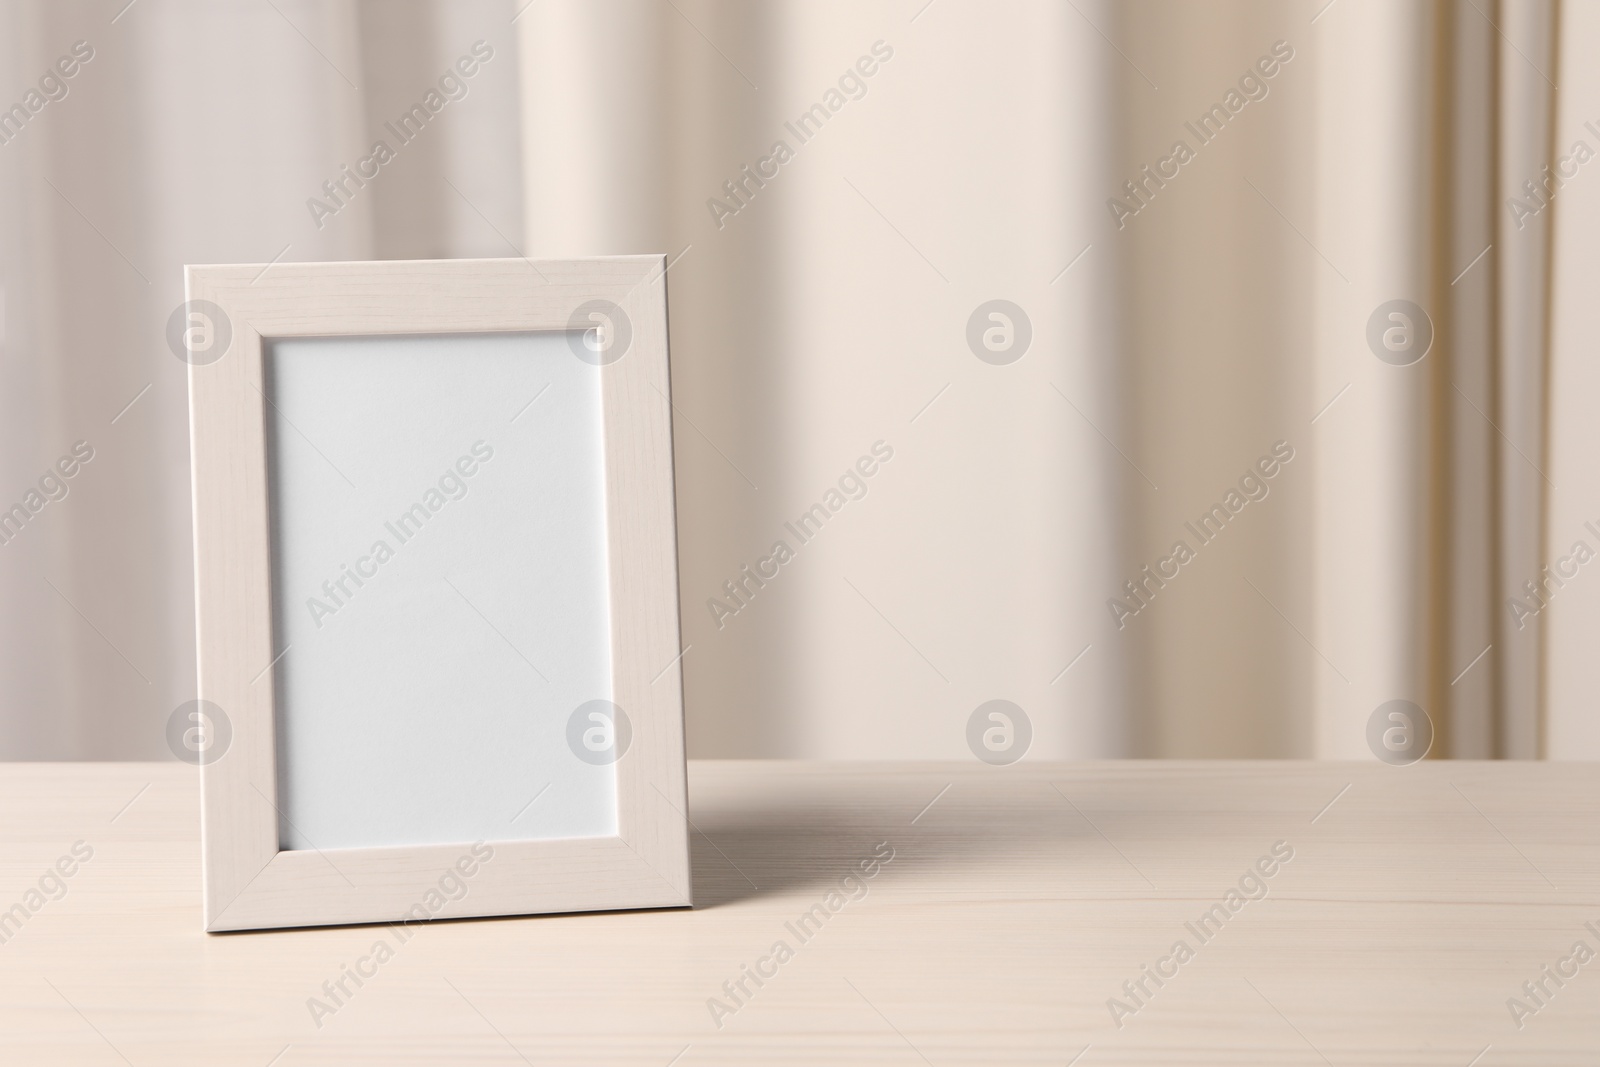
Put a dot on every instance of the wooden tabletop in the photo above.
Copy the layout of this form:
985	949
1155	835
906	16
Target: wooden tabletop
926	913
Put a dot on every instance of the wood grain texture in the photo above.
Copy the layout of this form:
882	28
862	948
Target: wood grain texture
1417	901
250	884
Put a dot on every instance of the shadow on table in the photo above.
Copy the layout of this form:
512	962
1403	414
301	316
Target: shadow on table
774	849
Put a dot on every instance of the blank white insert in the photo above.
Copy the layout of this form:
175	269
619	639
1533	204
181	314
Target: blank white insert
427	703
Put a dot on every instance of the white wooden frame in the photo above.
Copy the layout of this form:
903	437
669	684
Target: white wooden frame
249	882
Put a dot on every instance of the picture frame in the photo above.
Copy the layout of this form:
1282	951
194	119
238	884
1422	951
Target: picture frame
265	345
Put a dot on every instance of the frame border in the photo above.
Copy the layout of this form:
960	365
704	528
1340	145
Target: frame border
249	882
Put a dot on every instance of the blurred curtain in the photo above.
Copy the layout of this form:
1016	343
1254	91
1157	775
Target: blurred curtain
1432	476
1373	164
1380	166
195	133
960	158
831	299
1571	617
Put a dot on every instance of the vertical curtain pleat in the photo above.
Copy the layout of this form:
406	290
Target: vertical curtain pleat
1528	79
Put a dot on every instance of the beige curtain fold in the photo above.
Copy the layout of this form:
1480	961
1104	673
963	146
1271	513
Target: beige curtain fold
1570	619
1382	612
1529	74
1376	168
1436	485
1216	298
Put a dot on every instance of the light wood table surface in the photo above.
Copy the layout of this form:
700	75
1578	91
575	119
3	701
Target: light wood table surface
1017	903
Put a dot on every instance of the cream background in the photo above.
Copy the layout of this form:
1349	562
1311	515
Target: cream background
827	315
